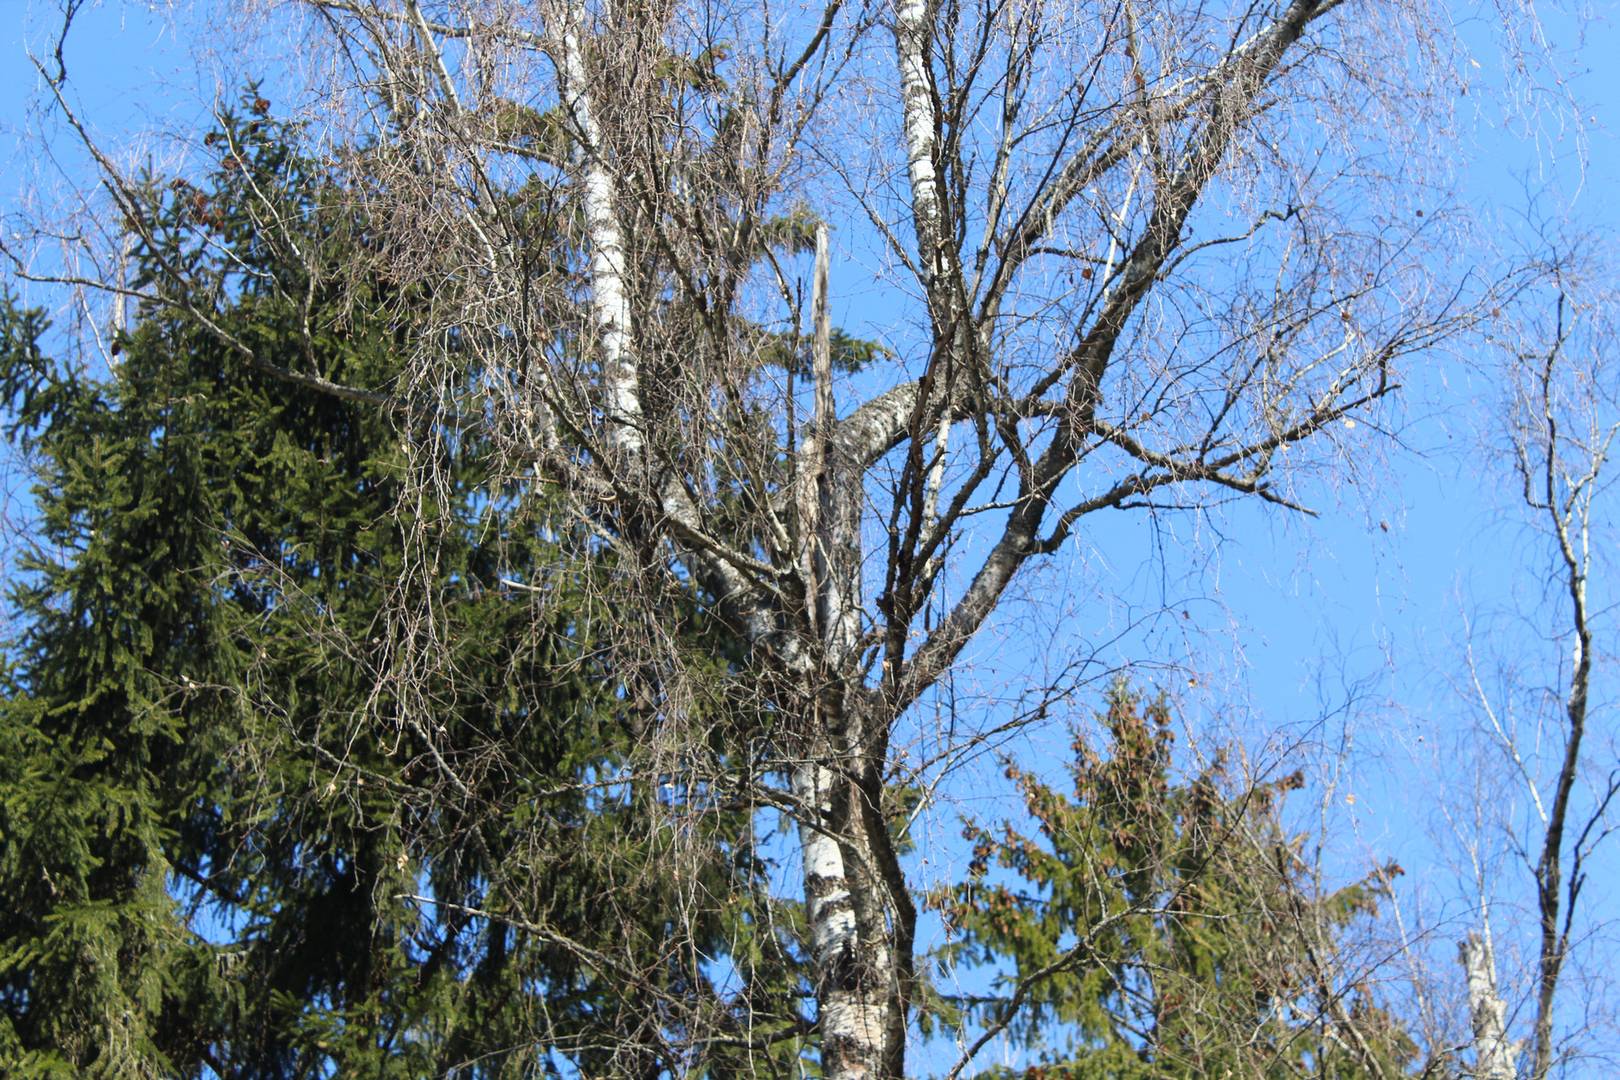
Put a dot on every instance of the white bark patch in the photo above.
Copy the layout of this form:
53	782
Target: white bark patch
832	919
1494	1054
912	40
859	1023
610	299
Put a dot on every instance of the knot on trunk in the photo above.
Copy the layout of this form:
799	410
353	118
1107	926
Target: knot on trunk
849	968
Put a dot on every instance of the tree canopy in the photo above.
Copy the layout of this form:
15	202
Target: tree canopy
230	845
484	618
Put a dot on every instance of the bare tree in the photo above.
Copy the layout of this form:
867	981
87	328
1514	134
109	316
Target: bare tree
1154	255
1563	426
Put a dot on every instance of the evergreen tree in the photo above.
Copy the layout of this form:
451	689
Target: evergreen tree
236	841
1161	929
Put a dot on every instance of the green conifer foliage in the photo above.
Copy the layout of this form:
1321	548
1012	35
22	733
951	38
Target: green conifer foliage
235	842
1161	929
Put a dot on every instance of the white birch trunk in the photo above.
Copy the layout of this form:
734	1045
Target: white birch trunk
912	34
853	977
854	974
1493	1053
610	298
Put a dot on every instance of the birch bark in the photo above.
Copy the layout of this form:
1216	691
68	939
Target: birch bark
860	1018
610	298
1494	1053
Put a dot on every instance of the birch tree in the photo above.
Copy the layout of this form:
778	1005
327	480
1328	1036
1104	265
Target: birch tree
1145	256
1543	718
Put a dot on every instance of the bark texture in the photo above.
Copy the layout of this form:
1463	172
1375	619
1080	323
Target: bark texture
1494	1052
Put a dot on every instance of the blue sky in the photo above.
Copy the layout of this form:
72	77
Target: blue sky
1343	632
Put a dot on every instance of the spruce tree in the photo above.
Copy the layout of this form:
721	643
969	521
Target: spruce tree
237	839
1152	927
